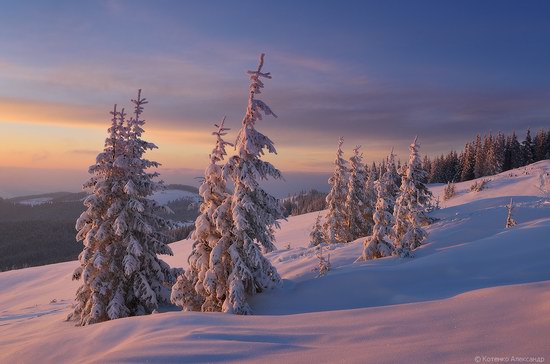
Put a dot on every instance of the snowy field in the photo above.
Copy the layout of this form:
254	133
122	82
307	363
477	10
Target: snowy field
475	289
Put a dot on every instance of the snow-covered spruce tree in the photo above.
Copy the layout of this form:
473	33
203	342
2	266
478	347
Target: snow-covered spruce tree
253	211
378	244
196	288
335	226
98	259
121	230
316	236
392	181
371	197
528	149
410	207
480	156
357	200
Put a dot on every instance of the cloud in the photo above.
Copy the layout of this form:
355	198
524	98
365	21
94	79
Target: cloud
298	60
82	151
40	156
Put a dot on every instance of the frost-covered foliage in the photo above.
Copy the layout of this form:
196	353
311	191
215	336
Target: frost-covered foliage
392	181
371	197
122	230
198	289
449	191
379	245
409	211
509	219
335	226
251	211
357	204
316	236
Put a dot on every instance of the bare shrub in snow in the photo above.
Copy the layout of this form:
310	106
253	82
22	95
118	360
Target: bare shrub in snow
449	191
323	262
479	185
509	219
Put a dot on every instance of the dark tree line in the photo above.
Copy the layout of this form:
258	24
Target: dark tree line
488	155
304	202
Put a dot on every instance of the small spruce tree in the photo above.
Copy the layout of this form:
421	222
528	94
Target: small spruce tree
379	245
196	289
409	212
316	236
356	200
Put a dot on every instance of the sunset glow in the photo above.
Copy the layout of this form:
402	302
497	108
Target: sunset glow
338	71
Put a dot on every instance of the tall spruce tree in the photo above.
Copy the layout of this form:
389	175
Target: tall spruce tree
198	289
527	149
335	225
254	212
370	201
479	166
468	163
391	184
122	230
540	145
356	200
516	153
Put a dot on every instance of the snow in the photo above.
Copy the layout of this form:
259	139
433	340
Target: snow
473	289
523	181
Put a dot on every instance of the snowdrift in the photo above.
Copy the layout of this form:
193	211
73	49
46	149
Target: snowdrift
474	289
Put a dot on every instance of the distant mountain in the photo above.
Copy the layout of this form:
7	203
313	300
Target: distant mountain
39	229
49	198
54	197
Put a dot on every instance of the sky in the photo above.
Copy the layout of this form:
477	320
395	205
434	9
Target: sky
377	73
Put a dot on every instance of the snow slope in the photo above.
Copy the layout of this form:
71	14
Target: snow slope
474	289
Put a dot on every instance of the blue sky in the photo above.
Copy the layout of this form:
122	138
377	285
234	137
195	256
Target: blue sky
377	73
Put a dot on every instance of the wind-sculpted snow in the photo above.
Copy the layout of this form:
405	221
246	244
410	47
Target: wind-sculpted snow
474	289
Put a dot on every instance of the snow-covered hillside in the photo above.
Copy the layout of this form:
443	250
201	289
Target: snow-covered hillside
475	289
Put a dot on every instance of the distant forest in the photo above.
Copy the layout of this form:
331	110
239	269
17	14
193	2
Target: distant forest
304	202
488	155
45	233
